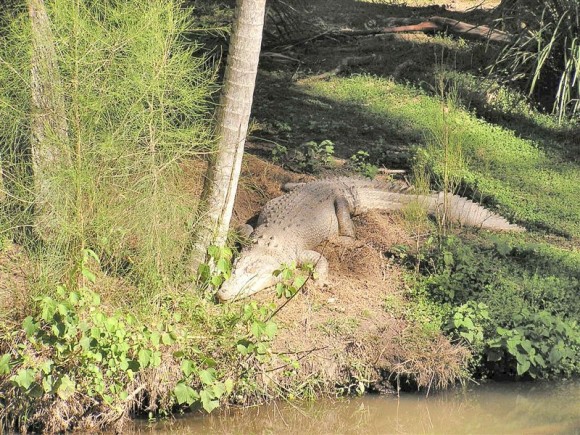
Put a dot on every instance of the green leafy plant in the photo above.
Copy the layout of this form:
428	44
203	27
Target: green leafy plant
73	349
469	322
262	330
279	153
292	278
84	349
516	322
212	275
360	163
309	157
540	345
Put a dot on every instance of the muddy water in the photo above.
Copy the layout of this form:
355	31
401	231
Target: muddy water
506	408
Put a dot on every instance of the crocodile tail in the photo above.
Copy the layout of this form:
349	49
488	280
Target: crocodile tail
466	212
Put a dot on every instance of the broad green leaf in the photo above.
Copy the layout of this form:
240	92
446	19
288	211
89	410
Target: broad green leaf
96	332
185	394
257	329
223	265
468	323
155	359
144	357
46	366
124	364
74	298
218	389
96	299
89	275
155	338
207	376
512	345
213	251
167	339
206	400
187	367
62	309
5	364
540	361
48	309
554	356
216	280
48	384
111	324
24	378
29	326
271	329
524	367
89	253
527	346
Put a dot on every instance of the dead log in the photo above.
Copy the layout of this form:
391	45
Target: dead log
431	25
440	24
473	31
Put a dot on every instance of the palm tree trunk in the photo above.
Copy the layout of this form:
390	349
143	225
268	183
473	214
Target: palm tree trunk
232	125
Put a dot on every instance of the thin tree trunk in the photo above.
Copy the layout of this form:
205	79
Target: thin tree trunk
49	135
232	125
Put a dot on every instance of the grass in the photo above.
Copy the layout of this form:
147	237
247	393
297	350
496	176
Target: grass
522	178
529	281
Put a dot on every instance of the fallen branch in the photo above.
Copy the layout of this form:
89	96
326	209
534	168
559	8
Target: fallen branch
471	30
440	24
431	25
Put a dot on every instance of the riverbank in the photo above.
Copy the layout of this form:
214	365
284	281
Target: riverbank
357	333
410	304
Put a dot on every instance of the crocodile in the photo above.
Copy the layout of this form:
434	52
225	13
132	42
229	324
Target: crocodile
292	225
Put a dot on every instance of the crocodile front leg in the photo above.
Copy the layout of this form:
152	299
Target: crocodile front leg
345	224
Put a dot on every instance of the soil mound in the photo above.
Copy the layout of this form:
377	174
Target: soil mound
342	331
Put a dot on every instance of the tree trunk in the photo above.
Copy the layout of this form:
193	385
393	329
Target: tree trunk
49	131
232	125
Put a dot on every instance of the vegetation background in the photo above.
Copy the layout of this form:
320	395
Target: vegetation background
102	319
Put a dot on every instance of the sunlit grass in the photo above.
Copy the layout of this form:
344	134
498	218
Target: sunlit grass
527	183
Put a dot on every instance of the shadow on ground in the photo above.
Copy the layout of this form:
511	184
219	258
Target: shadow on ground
289	116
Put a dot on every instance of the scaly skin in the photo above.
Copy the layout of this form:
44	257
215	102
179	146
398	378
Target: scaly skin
292	225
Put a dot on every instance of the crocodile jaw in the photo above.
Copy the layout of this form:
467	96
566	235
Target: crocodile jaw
252	273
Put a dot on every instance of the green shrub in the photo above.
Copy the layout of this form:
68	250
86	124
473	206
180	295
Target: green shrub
513	302
75	355
137	105
310	157
360	163
540	345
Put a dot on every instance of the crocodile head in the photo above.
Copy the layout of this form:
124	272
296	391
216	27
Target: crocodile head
253	272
